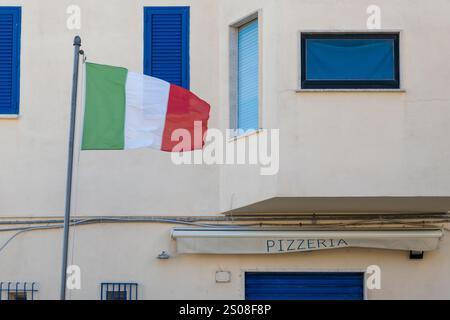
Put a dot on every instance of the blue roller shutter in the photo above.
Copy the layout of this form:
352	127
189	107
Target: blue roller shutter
304	286
248	77
10	20
166	44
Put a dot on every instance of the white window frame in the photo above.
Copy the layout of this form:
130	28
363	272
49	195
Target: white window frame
233	71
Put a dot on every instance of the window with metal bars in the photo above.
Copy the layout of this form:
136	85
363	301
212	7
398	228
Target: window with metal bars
18	290
119	291
245	75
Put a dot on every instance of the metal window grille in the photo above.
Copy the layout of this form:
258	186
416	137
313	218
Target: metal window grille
119	291
18	290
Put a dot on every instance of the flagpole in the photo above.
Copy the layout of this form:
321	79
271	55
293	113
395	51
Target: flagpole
77	45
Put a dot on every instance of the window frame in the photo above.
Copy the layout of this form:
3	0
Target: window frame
14	108
305	271
109	288
306	84
185	41
233	72
10	290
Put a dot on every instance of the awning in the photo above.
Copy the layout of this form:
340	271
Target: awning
237	241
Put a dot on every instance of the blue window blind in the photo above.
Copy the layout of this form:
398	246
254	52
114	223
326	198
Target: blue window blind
10	21
248	77
304	286
346	59
350	60
166	44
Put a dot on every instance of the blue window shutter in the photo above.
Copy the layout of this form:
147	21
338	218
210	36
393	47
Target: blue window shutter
10	21
304	286
166	44
248	77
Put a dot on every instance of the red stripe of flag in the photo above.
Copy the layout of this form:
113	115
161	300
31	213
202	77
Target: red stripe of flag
184	108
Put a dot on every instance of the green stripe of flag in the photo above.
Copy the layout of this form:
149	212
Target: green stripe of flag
104	115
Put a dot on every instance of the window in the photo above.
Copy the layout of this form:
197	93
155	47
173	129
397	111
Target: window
350	61
244	71
304	285
119	291
18	290
19	295
10	21
166	44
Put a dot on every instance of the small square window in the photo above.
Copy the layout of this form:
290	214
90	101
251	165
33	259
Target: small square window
119	291
350	61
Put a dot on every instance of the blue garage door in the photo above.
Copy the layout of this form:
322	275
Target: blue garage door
304	286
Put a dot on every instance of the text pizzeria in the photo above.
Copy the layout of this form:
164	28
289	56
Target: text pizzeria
286	245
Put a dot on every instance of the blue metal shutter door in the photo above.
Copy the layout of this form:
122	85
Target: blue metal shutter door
304	286
167	44
248	77
9	59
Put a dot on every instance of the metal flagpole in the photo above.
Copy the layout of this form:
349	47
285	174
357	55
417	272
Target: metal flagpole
77	45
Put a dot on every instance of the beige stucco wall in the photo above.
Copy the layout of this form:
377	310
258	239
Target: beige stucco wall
368	143
332	144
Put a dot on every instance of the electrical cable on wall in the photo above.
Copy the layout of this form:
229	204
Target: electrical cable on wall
445	219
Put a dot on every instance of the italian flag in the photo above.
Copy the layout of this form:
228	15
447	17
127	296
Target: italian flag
127	110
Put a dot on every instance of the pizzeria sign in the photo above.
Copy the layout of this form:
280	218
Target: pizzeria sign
233	241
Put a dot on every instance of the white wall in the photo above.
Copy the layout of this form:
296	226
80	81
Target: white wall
127	253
